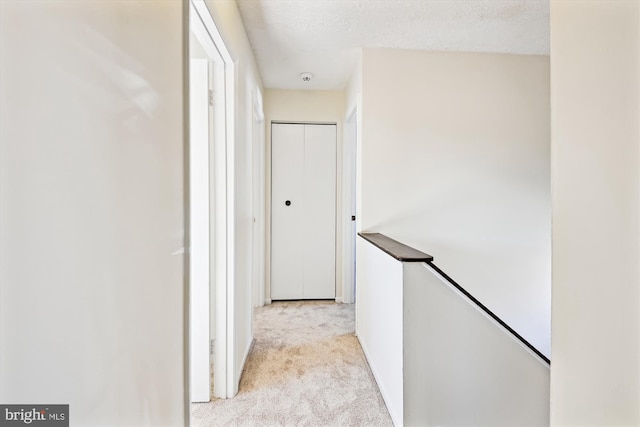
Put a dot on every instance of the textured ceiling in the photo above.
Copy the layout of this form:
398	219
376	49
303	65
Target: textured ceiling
323	36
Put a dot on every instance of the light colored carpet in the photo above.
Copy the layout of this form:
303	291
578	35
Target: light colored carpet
306	369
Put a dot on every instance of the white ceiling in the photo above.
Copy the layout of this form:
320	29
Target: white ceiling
323	36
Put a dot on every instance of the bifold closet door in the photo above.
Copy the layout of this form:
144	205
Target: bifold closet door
303	222
319	242
287	221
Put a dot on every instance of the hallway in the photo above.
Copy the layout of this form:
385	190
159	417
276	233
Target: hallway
306	368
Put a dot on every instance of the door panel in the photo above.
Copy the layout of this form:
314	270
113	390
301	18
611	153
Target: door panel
287	222
320	208
303	232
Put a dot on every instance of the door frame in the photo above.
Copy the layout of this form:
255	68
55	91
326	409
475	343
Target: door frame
349	202
258	269
221	185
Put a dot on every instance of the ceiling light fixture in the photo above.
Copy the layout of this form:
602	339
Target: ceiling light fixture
306	77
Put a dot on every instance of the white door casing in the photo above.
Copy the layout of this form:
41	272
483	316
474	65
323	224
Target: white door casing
258	234
221	225
349	206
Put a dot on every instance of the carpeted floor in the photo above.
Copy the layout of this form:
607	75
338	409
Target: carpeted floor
306	369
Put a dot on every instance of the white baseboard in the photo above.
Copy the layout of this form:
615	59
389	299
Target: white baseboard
267	301
339	300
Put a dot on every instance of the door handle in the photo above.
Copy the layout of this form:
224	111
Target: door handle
288	203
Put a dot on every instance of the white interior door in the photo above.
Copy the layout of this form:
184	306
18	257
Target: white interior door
303	211
287	203
319	212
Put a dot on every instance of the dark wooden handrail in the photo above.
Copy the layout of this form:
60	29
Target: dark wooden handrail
398	250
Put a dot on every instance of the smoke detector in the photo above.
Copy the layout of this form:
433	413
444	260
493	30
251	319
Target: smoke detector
306	77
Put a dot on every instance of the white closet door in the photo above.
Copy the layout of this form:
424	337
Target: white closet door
320	211
287	222
303	232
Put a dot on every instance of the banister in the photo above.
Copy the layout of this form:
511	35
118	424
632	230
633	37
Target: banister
404	253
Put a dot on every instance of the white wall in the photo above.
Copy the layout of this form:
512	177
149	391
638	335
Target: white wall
92	296
462	368
379	322
455	162
247	80
353	88
437	358
595	104
199	256
305	106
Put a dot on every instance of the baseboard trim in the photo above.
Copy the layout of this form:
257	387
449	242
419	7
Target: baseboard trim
339	300
267	301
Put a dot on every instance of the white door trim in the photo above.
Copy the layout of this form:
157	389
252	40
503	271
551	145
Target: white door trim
348	194
222	186
258	235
